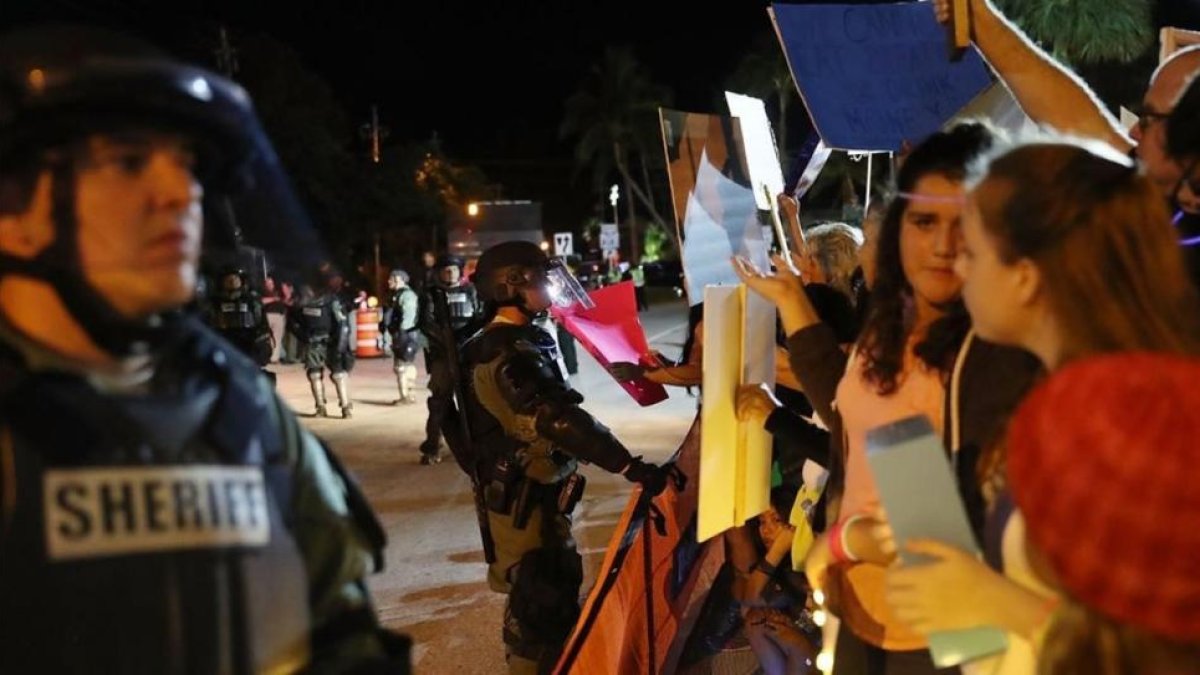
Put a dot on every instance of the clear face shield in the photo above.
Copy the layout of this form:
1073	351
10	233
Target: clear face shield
564	289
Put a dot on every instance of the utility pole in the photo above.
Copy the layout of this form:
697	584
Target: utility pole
226	55
374	133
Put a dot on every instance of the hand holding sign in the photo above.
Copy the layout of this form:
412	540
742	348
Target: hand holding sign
611	332
624	371
955	15
789	211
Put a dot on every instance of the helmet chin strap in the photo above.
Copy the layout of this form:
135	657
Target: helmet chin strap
60	266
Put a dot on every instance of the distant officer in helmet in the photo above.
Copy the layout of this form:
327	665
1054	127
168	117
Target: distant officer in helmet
236	312
161	510
463	304
528	436
406	339
320	322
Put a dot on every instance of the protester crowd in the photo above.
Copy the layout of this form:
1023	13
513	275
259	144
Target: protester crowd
1035	299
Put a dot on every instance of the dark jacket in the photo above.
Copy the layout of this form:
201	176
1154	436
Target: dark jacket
987	383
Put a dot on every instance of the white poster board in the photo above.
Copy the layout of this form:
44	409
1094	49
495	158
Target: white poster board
762	158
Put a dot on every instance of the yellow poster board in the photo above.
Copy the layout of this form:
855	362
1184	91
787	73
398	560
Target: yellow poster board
735	458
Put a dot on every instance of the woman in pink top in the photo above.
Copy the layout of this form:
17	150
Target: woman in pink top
915	356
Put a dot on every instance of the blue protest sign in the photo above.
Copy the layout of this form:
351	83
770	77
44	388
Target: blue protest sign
874	76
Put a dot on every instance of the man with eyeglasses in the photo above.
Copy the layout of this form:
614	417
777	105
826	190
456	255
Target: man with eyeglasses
1053	95
1182	132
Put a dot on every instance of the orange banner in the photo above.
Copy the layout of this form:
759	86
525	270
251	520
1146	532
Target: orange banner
652	585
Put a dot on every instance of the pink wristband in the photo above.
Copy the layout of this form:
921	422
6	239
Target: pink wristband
837	540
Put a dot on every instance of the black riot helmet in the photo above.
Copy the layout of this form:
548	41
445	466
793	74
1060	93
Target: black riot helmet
449	260
61	84
505	269
234	272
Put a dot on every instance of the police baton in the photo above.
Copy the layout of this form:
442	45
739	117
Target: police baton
465	454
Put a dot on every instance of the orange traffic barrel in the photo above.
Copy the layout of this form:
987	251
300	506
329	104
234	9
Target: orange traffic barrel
367	342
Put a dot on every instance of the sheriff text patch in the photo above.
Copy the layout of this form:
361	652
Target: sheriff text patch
113	511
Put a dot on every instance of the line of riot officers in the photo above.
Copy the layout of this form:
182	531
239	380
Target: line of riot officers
320	320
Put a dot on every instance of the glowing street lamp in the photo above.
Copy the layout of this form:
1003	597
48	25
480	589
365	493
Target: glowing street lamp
614	193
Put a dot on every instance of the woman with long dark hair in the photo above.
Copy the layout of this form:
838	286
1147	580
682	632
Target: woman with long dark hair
915	355
1067	252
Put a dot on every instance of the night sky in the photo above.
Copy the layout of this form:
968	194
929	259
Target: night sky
489	78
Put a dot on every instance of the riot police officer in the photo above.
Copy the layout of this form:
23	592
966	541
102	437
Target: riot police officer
463	305
528	434
162	509
236	312
320	322
406	339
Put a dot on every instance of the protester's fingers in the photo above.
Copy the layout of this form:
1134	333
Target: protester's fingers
745	269
785	268
941	9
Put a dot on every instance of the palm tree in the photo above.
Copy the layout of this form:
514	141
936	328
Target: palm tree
1082	32
611	116
763	73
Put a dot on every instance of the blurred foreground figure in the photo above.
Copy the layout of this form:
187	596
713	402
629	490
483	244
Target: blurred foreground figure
161	511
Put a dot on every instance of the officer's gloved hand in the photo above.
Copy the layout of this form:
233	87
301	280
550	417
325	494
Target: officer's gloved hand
652	477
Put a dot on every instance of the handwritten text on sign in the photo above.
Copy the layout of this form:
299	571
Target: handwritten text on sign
874	76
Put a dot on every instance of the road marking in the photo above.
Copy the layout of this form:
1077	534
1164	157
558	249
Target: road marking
661	334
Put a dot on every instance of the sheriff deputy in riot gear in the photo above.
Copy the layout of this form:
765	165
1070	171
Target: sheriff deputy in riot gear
320	322
528	434
236	312
161	510
463	305
406	339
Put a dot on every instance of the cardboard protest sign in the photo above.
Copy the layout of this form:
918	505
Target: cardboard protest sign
762	158
1172	39
809	161
611	332
716	215
735	457
874	76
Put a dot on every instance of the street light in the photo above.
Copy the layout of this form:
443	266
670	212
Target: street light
613	194
472	209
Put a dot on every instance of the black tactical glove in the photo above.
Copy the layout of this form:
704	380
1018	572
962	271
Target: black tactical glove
624	371
653	478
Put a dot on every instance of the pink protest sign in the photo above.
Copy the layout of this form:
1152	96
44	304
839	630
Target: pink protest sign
611	333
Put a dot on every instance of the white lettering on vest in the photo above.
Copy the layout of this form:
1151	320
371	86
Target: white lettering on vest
114	511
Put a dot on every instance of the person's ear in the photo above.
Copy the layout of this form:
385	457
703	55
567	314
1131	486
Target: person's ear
1027	283
26	234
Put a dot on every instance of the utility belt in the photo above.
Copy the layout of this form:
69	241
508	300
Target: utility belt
511	492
